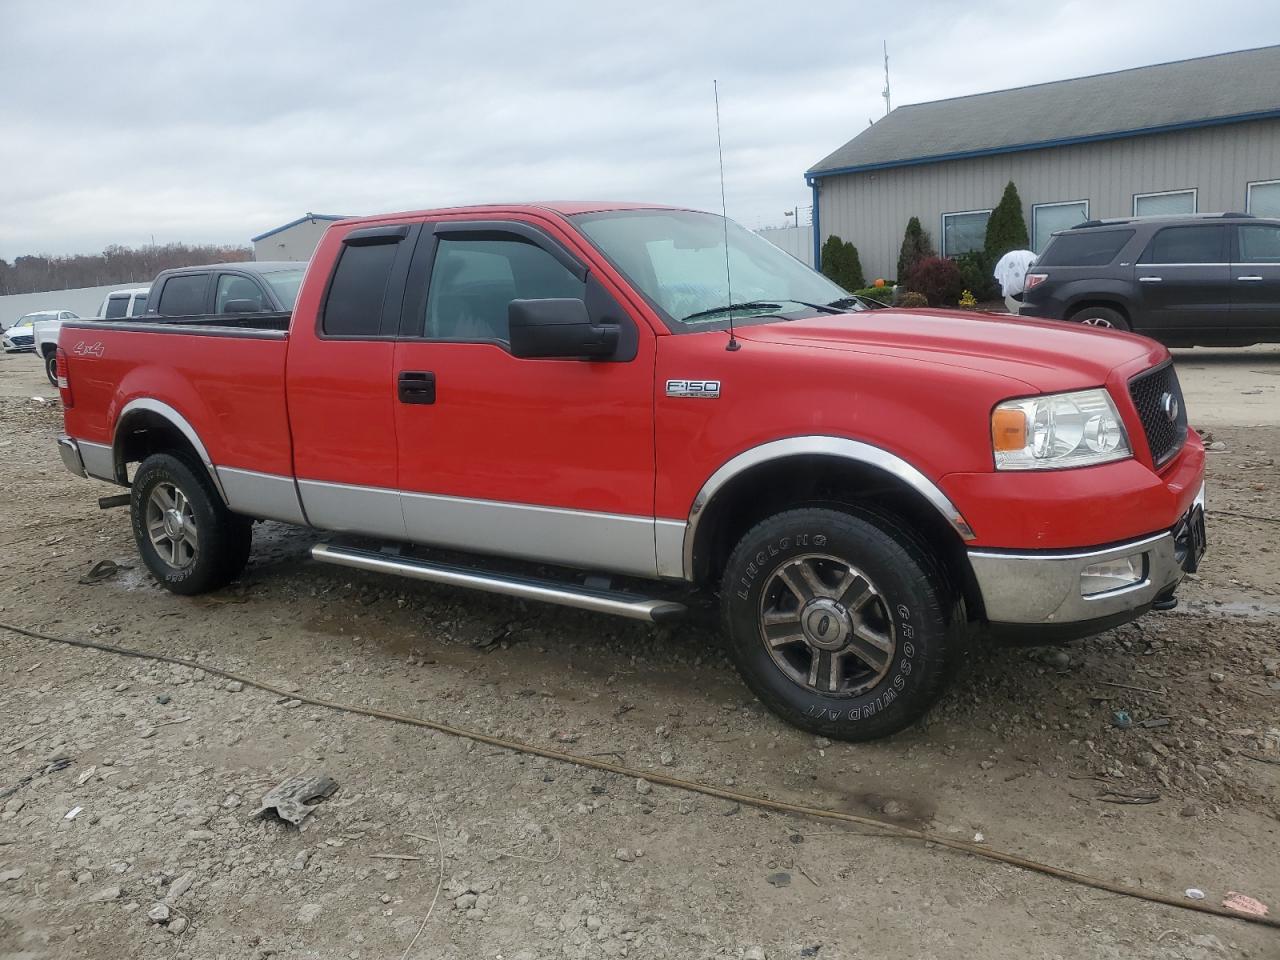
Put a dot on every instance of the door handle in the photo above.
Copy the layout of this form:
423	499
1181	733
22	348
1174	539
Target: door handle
1151	279
1250	279
416	386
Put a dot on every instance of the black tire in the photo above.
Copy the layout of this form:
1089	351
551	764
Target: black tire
1103	317
51	367
915	613
186	565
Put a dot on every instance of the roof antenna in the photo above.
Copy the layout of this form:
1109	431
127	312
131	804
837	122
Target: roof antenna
885	94
724	211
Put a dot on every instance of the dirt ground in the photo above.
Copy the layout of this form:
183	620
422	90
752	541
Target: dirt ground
152	814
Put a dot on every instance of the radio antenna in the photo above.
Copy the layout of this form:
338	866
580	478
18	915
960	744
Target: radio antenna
724	212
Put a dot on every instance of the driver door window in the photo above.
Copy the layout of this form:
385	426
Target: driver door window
474	281
234	287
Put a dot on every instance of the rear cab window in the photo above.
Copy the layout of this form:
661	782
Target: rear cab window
117	307
183	296
358	290
139	305
1084	248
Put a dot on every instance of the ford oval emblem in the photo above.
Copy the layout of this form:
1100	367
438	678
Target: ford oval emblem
1169	404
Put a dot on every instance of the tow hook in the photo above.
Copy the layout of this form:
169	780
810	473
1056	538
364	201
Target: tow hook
1169	602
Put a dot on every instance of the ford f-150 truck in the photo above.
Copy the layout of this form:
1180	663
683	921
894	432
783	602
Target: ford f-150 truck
656	394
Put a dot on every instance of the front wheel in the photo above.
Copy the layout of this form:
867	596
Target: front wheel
51	367
841	624
186	536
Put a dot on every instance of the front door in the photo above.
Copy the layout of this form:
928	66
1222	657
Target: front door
1184	282
543	459
1255	274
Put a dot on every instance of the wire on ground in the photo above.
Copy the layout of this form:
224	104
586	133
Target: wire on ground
764	803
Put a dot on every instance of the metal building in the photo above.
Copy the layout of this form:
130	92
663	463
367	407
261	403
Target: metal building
1199	135
295	240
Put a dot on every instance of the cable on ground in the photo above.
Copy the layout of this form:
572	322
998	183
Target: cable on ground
763	803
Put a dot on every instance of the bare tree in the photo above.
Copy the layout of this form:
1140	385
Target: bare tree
34	273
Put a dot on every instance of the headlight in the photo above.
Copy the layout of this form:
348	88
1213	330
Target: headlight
1058	430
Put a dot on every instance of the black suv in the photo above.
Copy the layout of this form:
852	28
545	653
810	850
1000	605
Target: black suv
1203	279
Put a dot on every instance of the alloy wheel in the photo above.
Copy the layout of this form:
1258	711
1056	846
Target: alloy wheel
171	525
826	625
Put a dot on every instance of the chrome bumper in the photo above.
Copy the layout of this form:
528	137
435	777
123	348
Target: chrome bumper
71	458
1044	588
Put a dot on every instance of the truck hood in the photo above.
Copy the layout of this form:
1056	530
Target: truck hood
1046	355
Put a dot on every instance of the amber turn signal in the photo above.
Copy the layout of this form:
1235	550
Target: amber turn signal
1008	430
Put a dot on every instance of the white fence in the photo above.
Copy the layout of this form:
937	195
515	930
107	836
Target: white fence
797	241
83	301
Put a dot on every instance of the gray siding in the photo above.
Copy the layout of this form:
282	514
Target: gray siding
293	243
871	209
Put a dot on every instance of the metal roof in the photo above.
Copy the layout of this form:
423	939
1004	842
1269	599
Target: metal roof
294	223
1205	91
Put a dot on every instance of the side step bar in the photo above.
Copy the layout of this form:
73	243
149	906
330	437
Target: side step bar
528	588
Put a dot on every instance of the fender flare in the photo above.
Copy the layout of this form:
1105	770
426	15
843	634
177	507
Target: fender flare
839	447
166	412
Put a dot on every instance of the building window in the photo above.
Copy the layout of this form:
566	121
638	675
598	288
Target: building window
964	232
1048	218
1262	198
1164	204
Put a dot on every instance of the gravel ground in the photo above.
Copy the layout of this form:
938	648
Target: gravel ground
166	766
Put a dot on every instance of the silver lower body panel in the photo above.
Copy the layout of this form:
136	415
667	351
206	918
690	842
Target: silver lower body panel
265	496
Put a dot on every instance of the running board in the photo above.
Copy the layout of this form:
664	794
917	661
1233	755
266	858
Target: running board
527	588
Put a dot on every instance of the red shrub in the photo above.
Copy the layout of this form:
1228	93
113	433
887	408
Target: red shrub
939	279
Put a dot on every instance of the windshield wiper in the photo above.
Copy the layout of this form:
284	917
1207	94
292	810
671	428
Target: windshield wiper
748	305
824	308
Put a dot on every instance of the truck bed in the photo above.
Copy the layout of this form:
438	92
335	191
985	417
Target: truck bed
224	373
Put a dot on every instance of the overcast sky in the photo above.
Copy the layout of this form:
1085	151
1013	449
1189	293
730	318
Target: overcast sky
212	122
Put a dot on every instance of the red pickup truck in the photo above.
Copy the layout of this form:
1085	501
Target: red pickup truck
562	383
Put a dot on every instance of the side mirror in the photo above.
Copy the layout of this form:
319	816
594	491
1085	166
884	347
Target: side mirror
242	306
558	329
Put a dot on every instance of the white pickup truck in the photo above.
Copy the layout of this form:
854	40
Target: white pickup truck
116	305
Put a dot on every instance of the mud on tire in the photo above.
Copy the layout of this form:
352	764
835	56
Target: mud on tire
840	622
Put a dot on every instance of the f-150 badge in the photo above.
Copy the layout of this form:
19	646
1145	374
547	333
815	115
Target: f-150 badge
706	389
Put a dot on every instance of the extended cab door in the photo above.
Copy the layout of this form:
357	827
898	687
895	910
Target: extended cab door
1184	282
340	389
1255	273
544	459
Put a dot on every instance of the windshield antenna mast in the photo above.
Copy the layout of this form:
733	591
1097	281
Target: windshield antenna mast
724	211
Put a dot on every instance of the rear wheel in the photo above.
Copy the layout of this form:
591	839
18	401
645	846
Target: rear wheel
1105	317
51	367
841	624
186	536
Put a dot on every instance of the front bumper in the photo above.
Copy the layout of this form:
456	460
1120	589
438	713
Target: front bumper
1045	588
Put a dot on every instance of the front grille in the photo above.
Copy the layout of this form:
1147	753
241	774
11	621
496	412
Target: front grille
1156	394
20	341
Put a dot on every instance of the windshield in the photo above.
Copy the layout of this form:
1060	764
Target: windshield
285	284
676	258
